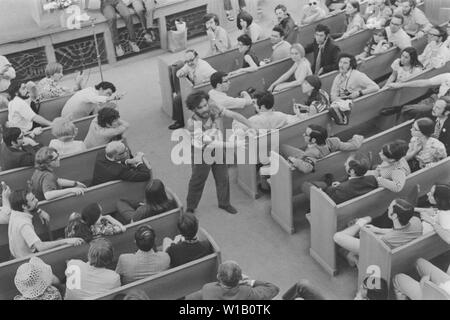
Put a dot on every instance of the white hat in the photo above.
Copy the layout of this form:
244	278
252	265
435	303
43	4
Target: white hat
33	278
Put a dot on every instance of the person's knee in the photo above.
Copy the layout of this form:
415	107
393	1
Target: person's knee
398	283
337	237
421	263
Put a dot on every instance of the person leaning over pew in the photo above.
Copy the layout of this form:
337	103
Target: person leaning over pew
355	21
319	145
115	163
416	22
156	201
45	184
146	261
405	67
441	111
300	70
65	132
376	45
49	87
186	246
423	149
220	83
233	285
356	185
250	61
425	106
196	70
406	228
325	51
392	172
395	33
16	150
23	240
95	279
436	54
351	83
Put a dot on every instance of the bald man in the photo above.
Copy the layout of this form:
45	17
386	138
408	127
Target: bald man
115	163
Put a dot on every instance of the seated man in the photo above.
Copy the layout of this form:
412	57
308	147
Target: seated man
436	54
232	285
312	11
195	69
326	52
115	163
23	240
221	84
281	49
285	21
395	33
218	37
416	22
351	83
16	151
187	247
145	262
406	227
357	184
90	100
318	147
441	111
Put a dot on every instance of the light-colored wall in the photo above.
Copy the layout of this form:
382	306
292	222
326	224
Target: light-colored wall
438	11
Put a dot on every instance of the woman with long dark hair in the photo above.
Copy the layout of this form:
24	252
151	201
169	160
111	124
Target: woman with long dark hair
318	99
405	67
156	201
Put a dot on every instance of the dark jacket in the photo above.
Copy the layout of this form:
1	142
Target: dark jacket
444	136
329	58
288	25
184	252
106	170
214	291
352	188
11	158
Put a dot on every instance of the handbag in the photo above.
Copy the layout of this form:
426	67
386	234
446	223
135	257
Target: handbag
340	111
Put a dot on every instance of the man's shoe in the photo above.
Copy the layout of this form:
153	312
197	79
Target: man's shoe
176	125
189	210
134	47
119	51
229	208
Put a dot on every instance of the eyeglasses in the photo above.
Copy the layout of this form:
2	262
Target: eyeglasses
396	24
312	4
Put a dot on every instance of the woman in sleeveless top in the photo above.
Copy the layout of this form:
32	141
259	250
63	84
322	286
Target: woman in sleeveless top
250	61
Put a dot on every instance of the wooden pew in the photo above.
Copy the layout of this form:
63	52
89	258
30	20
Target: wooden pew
60	209
79	166
165	225
374	252
82	125
365	109
290	181
432	292
327	218
49	109
177	282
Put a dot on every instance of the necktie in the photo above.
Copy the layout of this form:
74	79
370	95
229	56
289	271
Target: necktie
318	60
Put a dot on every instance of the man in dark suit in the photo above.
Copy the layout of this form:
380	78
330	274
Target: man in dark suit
356	185
115	163
231	286
441	110
327	60
14	151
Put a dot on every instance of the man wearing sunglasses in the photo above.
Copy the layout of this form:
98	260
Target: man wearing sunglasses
395	33
436	54
312	12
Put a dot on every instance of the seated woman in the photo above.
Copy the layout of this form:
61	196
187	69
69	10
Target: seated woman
355	21
92	223
300	70
45	184
423	149
65	132
407	227
156	201
405	67
439	213
318	146
377	44
105	128
246	24
318	99
312	11
393	170
50	86
250	61
377	14
35	281
95	277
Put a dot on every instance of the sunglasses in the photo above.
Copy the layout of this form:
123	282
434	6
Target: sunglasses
312	4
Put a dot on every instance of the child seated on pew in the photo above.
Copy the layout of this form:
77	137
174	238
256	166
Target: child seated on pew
319	145
91	223
65	132
377	44
406	227
187	246
156	201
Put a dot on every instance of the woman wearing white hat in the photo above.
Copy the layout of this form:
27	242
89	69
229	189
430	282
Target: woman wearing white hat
35	280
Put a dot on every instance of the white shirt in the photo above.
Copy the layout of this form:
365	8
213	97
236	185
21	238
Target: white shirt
82	103
21	234
200	74
399	39
434	55
4	215
66	148
5	79
224	101
20	114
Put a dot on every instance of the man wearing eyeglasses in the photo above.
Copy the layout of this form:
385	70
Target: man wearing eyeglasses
221	84
15	152
395	33
436	53
195	69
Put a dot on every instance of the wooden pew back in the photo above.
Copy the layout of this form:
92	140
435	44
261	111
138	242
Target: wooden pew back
82	125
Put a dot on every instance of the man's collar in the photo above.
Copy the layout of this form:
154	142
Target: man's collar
276	45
